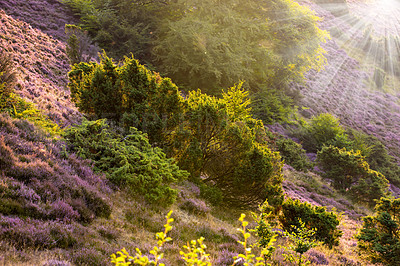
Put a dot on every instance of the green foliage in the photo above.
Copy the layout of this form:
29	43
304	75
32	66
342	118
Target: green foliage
271	105
303	239
325	223
128	93
211	193
349	172
22	109
219	141
293	154
379	237
214	44
379	159
263	230
120	27
379	77
128	161
322	130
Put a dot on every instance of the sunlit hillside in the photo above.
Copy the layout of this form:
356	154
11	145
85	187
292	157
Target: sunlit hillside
199	132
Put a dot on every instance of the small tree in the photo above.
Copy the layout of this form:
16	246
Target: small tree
78	44
379	238
129	93
8	77
316	217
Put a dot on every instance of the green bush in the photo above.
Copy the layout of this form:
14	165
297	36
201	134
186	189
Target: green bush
321	130
129	161
220	142
120	27
350	173
293	154
379	159
294	212
379	238
128	93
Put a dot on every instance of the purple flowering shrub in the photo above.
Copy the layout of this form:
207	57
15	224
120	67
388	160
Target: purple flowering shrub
23	233
40	182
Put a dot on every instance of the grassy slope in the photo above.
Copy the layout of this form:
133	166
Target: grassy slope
42	66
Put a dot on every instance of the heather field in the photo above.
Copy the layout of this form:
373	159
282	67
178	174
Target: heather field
95	155
42	67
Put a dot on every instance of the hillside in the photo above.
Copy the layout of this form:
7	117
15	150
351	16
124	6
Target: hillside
42	65
343	88
77	196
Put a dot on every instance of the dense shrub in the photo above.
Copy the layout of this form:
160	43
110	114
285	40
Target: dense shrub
349	172
121	27
321	130
129	93
379	238
129	161
325	223
293	154
220	142
379	159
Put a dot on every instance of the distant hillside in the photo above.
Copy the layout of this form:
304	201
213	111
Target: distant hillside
342	89
49	16
42	67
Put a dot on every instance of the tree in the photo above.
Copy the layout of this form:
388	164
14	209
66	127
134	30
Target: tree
349	172
215	43
379	238
220	142
78	44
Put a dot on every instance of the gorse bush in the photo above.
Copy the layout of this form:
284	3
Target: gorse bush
321	130
379	238
350	173
194	254
129	161
325	223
